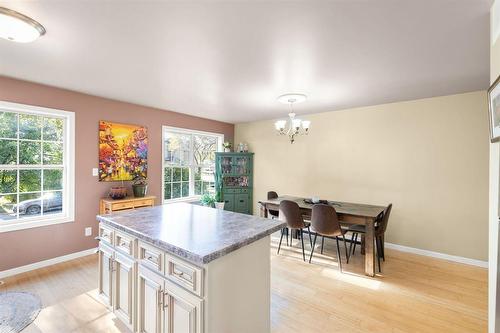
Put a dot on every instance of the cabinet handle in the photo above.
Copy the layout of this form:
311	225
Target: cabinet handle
165	300
242	200
160	297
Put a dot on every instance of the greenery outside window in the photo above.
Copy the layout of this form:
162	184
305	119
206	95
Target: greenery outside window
188	163
36	166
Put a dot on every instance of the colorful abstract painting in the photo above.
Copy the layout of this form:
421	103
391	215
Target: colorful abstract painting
123	151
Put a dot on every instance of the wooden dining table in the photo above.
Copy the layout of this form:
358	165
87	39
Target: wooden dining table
348	213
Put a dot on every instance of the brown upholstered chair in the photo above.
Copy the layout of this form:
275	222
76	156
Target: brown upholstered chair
290	213
324	222
380	228
272	195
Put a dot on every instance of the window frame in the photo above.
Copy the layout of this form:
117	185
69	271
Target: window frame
190	166
68	190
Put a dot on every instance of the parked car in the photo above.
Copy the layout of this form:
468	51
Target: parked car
51	201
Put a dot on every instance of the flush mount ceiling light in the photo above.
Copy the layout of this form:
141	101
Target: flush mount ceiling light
19	28
295	126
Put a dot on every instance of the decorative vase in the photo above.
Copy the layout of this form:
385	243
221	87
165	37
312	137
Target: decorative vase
139	190
227	150
219	205
117	192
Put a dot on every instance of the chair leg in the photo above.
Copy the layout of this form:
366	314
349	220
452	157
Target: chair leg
377	242
350	244
338	254
281	238
382	247
302	240
355	242
346	252
310	238
322	243
312	248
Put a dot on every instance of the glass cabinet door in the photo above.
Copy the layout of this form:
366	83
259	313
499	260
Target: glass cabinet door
226	164
242	165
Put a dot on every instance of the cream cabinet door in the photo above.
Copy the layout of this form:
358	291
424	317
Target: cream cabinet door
150	301
124	272
105	288
182	311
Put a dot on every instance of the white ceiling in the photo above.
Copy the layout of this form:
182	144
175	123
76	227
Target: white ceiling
230	60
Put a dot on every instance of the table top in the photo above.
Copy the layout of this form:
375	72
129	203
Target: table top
196	233
346	208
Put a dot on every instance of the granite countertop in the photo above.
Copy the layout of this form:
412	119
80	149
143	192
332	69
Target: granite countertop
196	233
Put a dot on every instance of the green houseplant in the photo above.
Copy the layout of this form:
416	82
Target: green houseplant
219	197
140	187
227	146
208	200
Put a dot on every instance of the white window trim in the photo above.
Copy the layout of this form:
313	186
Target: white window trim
69	160
181	131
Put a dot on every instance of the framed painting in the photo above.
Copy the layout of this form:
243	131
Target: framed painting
494	110
123	151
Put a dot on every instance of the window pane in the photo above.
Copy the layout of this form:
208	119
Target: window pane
8	125
8	152
176	190
7	203
204	148
30	127
52	179
52	153
197	187
177	148
185	189
52	202
8	181
30	180
29	204
185	174
29	152
53	129
168	174
177	174
168	191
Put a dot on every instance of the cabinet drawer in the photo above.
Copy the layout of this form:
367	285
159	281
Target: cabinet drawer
105	234
122	205
124	243
184	274
143	203
150	256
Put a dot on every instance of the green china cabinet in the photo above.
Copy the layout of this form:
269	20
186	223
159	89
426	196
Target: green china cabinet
234	178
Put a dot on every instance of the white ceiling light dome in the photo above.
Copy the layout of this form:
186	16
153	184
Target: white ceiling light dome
17	27
292	98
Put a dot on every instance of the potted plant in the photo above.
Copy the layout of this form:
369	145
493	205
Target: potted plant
208	200
219	200
140	187
227	146
118	192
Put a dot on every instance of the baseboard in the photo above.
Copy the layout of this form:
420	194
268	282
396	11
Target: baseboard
439	255
45	263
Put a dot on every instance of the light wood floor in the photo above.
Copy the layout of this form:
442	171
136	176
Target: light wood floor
414	294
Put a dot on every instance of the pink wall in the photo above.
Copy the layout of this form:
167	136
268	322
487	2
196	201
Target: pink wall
18	248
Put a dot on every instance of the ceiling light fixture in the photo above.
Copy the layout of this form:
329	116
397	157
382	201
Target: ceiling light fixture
19	28
295	125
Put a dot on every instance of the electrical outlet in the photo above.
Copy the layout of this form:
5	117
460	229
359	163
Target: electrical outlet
95	172
88	231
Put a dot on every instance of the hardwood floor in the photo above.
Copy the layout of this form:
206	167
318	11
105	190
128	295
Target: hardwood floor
414	294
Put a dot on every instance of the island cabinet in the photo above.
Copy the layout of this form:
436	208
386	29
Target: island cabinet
182	268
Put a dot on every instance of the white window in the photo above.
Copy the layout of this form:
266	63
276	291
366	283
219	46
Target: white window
188	163
36	166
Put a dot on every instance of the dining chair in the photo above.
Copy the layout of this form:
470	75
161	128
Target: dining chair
380	228
270	196
289	212
325	222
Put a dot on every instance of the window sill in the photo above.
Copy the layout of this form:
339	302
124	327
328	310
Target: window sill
186	199
34	223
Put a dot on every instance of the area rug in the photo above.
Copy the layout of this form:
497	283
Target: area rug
17	310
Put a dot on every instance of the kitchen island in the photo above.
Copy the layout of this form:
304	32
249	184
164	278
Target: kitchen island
183	268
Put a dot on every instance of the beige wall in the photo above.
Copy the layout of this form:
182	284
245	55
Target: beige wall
428	157
23	247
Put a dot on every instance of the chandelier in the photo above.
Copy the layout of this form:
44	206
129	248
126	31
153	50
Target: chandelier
295	126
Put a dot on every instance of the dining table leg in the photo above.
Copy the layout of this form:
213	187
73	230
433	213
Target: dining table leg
369	248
